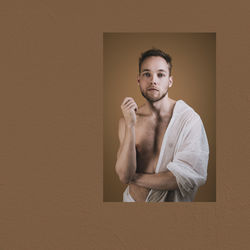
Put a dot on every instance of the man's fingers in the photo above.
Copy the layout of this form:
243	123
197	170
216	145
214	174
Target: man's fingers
129	103
134	106
126	100
131	106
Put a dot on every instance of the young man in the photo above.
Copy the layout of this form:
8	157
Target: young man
163	152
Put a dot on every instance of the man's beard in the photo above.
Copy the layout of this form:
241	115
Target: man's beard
153	99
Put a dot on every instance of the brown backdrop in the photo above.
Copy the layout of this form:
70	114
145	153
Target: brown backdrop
51	154
193	57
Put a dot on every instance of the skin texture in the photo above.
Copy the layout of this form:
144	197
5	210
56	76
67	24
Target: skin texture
141	131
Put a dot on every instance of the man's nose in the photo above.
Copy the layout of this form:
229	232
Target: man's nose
154	79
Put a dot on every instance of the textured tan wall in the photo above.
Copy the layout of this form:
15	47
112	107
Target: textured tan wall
51	143
193	56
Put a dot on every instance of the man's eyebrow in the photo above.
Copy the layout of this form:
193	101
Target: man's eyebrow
157	70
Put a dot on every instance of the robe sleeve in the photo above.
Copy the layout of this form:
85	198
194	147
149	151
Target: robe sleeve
189	164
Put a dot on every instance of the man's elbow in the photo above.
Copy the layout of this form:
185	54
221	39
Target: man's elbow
124	177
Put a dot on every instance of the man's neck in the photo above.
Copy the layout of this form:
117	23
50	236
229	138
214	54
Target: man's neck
161	108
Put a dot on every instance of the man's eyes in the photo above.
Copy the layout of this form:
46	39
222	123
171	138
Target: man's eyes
159	75
147	74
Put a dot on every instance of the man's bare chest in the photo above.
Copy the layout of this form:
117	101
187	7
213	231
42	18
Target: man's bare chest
149	138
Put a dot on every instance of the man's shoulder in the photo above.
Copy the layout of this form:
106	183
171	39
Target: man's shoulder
185	111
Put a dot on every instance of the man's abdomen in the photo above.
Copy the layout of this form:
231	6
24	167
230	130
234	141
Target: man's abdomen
145	164
138	193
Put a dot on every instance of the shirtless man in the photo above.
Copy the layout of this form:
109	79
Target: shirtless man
141	130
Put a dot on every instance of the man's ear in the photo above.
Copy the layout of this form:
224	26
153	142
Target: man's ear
138	79
170	81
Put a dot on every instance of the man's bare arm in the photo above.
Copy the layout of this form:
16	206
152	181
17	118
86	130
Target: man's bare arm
160	181
126	156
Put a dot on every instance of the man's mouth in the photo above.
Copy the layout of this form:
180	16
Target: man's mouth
153	89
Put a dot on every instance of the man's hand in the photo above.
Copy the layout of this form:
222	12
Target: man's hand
129	107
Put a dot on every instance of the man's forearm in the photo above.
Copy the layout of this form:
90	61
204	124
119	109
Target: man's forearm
126	160
160	181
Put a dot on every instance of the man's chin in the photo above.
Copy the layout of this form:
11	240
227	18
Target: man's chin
153	99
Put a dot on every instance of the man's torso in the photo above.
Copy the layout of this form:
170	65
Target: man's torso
149	133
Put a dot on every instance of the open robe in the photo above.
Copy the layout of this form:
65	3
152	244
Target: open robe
184	152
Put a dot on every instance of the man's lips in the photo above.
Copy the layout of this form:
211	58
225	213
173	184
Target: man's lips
153	89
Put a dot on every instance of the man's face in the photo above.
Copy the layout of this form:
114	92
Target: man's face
154	79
